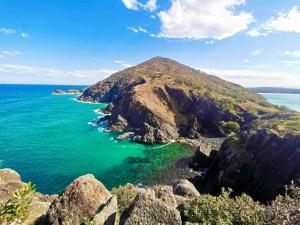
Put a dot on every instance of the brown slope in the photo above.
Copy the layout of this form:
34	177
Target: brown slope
162	99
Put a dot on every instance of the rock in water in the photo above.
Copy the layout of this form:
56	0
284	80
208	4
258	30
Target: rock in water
82	199
147	209
58	92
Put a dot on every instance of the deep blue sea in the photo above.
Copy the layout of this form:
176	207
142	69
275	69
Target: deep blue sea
48	139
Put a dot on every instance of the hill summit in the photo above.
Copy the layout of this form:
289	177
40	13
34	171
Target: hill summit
161	100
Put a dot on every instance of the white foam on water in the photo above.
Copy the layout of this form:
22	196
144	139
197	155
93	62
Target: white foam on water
162	146
94	103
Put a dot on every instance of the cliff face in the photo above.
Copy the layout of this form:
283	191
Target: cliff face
259	162
161	100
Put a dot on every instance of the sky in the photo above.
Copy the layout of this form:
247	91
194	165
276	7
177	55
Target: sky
250	42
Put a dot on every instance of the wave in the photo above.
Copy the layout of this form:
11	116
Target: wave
94	103
162	146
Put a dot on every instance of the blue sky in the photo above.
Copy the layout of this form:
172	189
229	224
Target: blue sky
250	42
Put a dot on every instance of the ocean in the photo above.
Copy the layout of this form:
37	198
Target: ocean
50	141
292	101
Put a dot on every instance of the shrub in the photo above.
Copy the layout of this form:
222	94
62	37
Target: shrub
284	209
16	208
229	127
125	195
223	210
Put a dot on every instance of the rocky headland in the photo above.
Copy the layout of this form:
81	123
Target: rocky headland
161	100
241	142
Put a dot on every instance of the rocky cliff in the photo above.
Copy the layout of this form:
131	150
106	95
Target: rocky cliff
257	161
161	100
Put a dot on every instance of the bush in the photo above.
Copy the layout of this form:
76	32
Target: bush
230	127
16	209
284	209
125	195
223	210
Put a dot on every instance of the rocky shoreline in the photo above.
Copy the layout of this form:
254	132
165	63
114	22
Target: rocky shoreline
87	199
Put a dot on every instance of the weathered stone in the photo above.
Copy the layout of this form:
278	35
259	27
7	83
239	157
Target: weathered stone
8	175
180	200
82	199
186	189
147	209
165	194
10	180
107	214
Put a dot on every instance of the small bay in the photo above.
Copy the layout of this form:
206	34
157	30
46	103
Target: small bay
49	141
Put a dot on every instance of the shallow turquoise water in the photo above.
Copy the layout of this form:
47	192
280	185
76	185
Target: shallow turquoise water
290	100
48	140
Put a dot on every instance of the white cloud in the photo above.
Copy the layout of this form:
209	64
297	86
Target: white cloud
24	35
291	53
6	53
291	63
150	5
198	19
246	60
211	42
4	30
256	77
123	63
30	74
287	21
7	30
138	29
256	52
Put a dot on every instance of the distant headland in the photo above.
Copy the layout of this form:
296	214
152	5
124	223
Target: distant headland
277	90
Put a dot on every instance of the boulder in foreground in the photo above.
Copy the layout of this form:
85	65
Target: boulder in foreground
83	199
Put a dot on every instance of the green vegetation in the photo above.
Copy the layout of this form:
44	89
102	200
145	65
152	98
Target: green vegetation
229	127
284	209
16	209
281	122
125	195
243	210
223	210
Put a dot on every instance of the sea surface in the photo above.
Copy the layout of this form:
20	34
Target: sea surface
50	141
292	101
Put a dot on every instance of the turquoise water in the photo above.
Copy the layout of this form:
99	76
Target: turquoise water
48	140
290	100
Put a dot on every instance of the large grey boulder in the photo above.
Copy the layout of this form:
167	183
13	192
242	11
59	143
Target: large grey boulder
185	188
147	209
82	199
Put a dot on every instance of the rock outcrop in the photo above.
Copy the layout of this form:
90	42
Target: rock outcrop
161	100
84	198
10	181
70	91
259	162
147	209
87	201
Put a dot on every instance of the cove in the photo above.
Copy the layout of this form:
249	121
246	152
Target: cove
50	142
